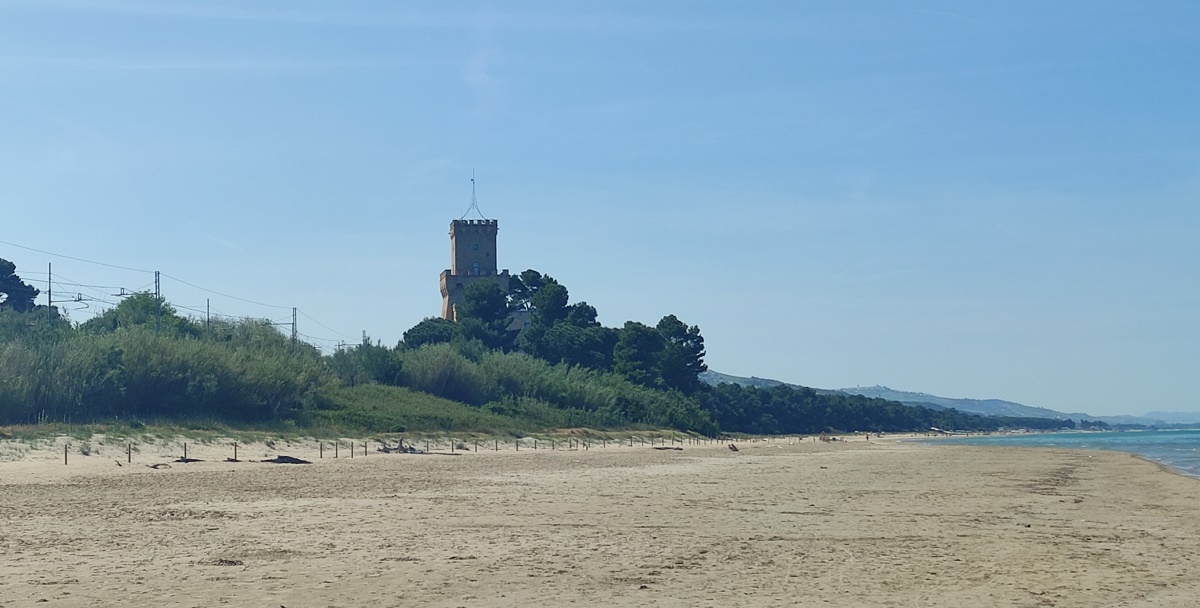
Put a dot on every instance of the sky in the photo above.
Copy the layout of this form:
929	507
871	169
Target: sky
968	199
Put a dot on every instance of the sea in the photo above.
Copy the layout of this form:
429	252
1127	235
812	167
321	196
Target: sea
1179	450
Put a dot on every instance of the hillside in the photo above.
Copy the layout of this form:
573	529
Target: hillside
990	407
998	407
714	378
986	407
1175	417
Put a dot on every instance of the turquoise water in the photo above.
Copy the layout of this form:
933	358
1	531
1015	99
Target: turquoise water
1177	449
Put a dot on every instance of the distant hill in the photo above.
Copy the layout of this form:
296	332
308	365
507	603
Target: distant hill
990	407
1176	417
715	378
986	407
998	407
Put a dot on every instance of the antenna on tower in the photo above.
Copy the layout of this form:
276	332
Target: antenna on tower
474	202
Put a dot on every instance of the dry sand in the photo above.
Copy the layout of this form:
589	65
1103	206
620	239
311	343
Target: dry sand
848	524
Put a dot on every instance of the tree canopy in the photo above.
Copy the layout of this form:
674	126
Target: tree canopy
15	293
141	309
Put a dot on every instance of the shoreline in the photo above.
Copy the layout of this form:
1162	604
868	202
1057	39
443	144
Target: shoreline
1174	464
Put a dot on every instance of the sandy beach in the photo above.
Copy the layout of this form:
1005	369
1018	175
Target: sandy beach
810	524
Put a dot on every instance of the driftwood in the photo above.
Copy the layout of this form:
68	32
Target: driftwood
399	450
667	447
161	465
188	460
286	460
732	448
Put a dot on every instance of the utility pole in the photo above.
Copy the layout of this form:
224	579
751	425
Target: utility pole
49	291
207	313
293	326
157	303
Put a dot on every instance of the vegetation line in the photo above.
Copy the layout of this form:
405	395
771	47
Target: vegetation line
141	362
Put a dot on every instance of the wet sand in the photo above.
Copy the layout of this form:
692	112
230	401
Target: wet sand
813	524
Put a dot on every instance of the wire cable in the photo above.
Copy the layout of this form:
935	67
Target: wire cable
76	259
71	284
323	325
223	295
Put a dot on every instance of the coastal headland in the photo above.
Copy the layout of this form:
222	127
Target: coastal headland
879	523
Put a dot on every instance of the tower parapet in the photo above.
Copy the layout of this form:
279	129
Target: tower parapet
473	247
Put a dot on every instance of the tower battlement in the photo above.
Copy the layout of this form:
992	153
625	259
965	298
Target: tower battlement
466	223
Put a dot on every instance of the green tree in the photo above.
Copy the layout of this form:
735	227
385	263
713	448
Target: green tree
485	301
15	293
483	315
367	363
564	333
550	304
683	355
637	354
433	330
521	288
584	346
142	309
581	314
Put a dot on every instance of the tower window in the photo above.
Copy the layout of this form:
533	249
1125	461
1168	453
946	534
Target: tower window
474	246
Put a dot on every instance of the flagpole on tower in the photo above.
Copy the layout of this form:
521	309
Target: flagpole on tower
474	201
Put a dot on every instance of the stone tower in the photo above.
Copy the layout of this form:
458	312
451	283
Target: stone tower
472	259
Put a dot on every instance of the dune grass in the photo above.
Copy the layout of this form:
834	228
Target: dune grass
392	409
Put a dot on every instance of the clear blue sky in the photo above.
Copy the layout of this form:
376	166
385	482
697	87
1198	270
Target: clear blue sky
969	199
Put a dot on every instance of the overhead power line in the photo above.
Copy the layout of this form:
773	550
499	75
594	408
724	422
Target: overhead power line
225	295
76	259
72	285
325	326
